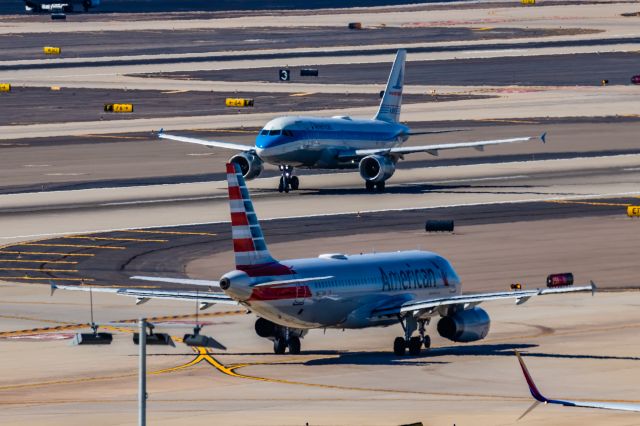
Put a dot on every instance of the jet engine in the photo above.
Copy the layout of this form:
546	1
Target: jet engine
265	328
376	168
466	325
250	164
270	330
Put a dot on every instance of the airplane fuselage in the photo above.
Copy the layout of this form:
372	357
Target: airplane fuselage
360	284
314	142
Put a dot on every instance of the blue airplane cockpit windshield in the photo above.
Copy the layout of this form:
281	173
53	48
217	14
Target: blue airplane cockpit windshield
272	137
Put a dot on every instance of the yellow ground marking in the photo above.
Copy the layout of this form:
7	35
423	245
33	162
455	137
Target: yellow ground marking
88	237
143	231
589	203
38	270
496	120
23	253
26	277
71	245
302	94
114	137
483	29
67	262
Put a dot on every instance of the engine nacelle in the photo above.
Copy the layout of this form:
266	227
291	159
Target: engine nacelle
467	325
265	328
376	168
250	164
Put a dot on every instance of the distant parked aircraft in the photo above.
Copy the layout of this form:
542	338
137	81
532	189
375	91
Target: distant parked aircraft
47	6
338	290
372	146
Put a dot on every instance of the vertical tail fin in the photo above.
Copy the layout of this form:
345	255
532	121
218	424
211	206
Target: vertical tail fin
389	109
249	246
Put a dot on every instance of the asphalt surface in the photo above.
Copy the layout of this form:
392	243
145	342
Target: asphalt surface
146	6
531	47
108	259
122	160
29	105
550	70
106	43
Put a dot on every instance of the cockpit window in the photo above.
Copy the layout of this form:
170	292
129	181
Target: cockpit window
287	132
274	132
264	132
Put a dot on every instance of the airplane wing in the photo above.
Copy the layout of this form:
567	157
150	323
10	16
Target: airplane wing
204	283
537	395
143	295
212	144
520	296
435	148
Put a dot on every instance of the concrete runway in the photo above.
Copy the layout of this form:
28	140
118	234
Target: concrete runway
99	200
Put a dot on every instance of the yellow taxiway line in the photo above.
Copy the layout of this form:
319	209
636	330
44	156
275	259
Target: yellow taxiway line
46	253
88	237
70	245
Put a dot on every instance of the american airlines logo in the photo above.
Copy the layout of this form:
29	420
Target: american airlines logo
407	279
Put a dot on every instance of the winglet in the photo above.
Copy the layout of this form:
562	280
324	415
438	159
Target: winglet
543	137
161	131
532	386
53	286
593	288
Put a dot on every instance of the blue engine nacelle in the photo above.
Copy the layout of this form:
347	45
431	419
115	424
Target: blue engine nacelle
466	325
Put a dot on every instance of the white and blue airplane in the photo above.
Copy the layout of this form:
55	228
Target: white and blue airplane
539	398
336	290
373	146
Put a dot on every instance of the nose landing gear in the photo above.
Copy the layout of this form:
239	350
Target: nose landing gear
288	181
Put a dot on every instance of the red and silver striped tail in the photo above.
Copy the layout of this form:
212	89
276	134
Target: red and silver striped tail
248	242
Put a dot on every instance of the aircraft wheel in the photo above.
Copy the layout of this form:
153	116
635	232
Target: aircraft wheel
281	185
369	185
399	346
294	345
380	186
295	183
279	346
415	344
426	342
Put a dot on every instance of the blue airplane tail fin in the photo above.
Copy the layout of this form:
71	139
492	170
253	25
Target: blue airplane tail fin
391	102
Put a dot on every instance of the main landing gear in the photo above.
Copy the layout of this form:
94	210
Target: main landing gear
288	181
285	340
415	343
371	186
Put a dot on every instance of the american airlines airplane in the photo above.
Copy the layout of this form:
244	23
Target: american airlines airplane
372	146
337	290
568	403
